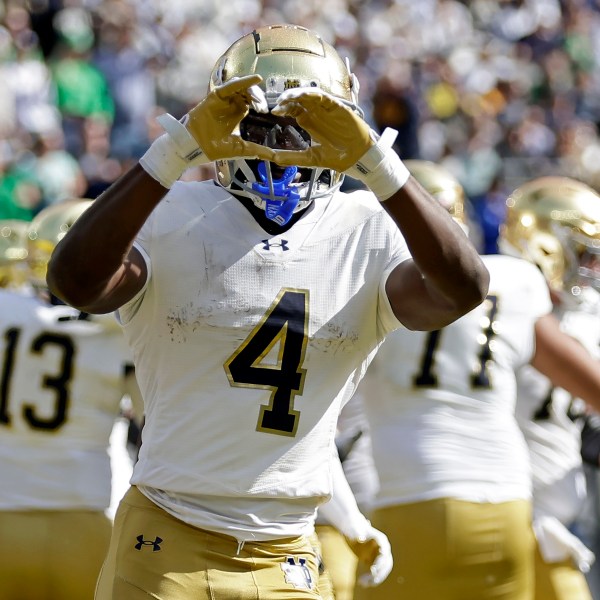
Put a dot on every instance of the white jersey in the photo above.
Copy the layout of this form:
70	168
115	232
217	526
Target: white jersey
547	417
246	347
441	404
61	383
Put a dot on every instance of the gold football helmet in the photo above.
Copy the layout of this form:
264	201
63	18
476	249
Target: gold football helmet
442	185
554	222
13	252
48	227
286	56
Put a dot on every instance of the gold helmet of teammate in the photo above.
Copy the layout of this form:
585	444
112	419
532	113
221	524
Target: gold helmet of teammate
442	185
48	227
554	222
286	56
13	252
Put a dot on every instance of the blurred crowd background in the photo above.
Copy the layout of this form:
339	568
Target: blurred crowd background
498	91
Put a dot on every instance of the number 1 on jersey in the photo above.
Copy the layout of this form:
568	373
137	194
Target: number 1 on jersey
271	358
480	378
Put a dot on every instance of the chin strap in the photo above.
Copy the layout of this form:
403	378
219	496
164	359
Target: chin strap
280	199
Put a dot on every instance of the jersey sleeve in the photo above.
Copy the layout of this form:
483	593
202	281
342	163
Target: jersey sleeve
387	320
142	244
537	294
532	289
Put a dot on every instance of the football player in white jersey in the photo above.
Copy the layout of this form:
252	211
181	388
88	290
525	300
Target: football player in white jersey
253	305
62	380
455	490
554	222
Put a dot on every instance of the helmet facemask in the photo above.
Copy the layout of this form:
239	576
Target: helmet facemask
286	56
585	254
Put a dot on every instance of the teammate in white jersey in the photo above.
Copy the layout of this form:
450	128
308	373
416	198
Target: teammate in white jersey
455	489
253	305
554	222
61	384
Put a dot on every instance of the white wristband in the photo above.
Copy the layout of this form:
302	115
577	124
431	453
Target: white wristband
162	162
380	168
172	153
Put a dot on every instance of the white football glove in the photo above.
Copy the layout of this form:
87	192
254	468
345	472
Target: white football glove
556	543
373	550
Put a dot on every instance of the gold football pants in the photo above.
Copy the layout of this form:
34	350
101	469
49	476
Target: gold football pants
51	554
154	555
449	549
559	581
339	560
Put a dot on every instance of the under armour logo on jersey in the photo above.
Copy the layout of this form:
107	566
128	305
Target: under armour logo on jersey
297	573
142	542
268	245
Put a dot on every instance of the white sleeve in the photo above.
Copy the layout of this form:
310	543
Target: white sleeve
341	510
370	545
126	312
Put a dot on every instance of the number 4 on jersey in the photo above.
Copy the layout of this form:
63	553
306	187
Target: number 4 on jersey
271	357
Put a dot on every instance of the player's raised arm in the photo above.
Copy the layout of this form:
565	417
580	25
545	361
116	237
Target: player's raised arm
95	268
446	277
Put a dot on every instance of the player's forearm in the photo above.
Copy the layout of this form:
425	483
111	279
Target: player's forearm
443	253
456	279
94	251
566	362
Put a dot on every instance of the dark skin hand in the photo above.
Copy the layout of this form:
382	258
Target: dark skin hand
96	269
